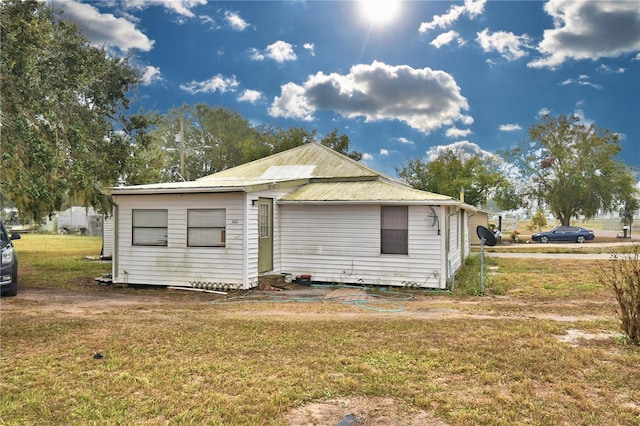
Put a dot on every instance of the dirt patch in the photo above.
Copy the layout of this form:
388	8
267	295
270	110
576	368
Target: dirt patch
361	411
573	337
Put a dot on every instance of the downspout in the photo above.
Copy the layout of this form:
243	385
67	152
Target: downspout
443	247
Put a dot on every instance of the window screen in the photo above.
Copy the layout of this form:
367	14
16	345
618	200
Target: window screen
206	228
394	230
149	228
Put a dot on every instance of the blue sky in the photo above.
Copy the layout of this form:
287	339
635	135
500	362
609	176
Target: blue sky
401	79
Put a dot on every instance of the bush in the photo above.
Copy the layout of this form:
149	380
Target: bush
622	275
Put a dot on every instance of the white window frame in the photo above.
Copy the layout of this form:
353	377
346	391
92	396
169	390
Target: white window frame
149	233
203	231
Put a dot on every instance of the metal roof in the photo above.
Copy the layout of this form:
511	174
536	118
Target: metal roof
324	176
311	160
302	164
364	191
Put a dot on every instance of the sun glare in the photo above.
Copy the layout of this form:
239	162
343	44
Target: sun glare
379	11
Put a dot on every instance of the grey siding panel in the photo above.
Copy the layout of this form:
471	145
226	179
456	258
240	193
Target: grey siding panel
178	264
342	244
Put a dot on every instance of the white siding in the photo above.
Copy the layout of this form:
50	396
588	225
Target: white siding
342	244
107	237
178	264
455	253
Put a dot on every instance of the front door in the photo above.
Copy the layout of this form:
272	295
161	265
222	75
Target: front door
265	235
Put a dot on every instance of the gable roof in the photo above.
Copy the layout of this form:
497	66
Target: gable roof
321	174
309	161
303	164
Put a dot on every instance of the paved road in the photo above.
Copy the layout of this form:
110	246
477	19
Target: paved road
525	253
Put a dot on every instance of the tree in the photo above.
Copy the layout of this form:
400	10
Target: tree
571	168
216	138
538	220
63	104
450	174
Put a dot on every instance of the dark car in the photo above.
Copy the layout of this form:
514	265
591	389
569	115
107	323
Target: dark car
9	263
564	233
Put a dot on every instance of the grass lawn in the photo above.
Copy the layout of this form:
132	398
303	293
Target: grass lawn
173	357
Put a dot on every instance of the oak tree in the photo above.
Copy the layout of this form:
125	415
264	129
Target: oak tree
63	111
451	173
572	168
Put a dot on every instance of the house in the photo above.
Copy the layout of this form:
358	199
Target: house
486	218
308	210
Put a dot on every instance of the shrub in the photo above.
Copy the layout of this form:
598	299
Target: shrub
468	278
538	220
622	275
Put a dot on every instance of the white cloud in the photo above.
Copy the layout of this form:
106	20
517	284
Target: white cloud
104	29
255	54
366	156
464	150
217	83
470	8
542	112
252	96
404	141
208	21
509	45
583	80
292	103
446	38
384	151
510	127
424	99
235	21
181	7
310	47
454	132
588	30
281	51
151	75
608	70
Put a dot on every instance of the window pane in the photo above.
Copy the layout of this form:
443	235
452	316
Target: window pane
264	220
207	218
150	236
206	237
150	218
395	217
395	241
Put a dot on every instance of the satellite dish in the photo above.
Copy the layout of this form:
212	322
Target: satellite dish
433	215
486	235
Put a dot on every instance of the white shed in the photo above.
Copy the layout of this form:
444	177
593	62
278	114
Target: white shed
308	210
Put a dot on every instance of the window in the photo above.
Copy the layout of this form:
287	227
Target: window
394	230
263	220
206	228
149	227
